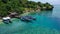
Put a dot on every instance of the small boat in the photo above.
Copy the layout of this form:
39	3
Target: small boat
27	18
7	20
30	17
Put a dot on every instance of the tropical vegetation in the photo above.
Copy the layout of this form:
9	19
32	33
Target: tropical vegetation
19	6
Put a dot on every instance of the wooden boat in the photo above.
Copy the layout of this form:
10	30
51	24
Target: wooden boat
27	18
30	17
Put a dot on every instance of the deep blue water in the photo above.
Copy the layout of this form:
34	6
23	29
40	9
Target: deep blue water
44	19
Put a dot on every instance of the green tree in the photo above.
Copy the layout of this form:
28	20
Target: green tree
19	6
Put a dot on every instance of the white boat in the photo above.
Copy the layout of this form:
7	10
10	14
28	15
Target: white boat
6	20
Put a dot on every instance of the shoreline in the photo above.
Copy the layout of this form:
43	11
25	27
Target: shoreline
24	14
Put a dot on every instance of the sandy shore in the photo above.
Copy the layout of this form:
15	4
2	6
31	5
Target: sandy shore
0	21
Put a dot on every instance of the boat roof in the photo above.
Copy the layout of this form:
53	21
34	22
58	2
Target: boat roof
5	18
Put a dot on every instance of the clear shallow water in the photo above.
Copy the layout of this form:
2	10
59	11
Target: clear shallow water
47	22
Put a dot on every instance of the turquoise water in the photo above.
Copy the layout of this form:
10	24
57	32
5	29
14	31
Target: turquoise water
47	22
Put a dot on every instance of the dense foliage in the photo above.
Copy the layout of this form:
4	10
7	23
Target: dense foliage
19	6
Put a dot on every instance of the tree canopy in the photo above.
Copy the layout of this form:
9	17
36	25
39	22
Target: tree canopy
19	6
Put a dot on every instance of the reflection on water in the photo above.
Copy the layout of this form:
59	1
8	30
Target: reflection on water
45	23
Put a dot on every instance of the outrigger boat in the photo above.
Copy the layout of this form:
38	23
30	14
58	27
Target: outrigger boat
27	18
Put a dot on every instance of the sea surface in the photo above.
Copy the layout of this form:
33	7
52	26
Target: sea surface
47	22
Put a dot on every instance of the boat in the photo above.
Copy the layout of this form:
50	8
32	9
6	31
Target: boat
6	20
27	18
30	17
